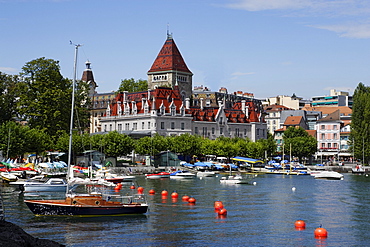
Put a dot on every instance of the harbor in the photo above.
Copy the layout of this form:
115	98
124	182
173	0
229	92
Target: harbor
260	213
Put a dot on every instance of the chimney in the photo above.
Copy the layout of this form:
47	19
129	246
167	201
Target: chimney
187	103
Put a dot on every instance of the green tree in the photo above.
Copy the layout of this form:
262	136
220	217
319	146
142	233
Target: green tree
37	141
13	139
144	146
185	144
360	132
116	144
269	145
45	98
159	144
299	143
8	97
227	147
130	85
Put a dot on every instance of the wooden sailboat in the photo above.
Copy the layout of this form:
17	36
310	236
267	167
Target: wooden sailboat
88	199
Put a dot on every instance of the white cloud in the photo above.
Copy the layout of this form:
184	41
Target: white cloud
360	31
8	69
242	73
357	12
258	5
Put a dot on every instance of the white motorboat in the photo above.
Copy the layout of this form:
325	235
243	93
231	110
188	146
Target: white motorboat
206	174
358	170
329	175
52	185
158	175
8	177
182	174
112	177
235	179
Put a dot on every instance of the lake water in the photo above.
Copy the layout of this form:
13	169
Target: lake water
258	215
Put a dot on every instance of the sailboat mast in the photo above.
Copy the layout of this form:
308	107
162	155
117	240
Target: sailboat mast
72	112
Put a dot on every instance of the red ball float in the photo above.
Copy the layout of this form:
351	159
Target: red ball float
164	193
222	211
117	188
140	189
151	192
300	224
192	200
174	194
185	198
321	233
132	187
218	205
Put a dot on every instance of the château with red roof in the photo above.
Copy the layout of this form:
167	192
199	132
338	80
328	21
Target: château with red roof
168	106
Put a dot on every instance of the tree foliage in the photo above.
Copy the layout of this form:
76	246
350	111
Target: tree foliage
8	97
130	85
299	143
12	139
116	144
360	132
45	97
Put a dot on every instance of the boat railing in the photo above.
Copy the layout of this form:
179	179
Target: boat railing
128	199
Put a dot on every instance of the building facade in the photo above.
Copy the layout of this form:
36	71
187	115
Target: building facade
335	98
168	108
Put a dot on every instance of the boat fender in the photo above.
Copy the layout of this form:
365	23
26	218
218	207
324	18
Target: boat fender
97	202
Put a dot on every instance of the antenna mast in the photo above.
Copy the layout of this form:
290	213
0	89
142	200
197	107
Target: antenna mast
70	171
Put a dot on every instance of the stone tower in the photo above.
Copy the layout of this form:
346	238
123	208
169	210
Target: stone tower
169	69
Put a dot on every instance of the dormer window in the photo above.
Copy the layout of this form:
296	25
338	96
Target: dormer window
173	109
162	109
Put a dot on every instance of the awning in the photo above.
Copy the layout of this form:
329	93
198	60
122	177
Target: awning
248	160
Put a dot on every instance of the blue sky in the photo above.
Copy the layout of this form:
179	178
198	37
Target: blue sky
266	47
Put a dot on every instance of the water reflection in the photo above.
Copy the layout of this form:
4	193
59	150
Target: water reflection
261	215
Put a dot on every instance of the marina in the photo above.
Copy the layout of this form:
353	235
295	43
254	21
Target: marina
262	214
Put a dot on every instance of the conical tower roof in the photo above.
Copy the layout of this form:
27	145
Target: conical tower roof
87	74
169	58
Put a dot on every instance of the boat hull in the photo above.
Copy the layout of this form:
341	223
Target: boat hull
328	175
53	209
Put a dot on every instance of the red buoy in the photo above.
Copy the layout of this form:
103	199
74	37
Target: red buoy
192	200
174	194
140	190
300	225
119	185
321	233
185	198
151	192
222	211
164	193
117	188
218	205
132	187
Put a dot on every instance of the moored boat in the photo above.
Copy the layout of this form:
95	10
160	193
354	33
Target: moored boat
206	174
235	179
8	177
52	185
358	170
158	175
89	203
182	174
329	175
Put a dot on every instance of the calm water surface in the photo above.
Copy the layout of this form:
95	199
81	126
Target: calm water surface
260	215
